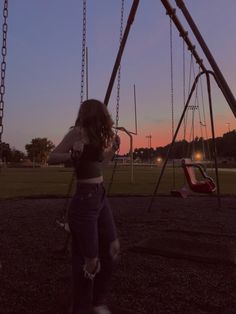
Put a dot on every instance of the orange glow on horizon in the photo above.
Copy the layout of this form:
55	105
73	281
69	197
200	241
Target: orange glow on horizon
163	137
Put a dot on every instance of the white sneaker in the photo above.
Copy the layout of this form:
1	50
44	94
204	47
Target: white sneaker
101	309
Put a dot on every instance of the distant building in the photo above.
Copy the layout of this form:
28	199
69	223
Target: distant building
122	159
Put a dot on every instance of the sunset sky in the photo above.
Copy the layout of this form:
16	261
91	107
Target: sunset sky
44	63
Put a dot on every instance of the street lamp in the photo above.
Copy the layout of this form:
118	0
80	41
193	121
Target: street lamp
198	156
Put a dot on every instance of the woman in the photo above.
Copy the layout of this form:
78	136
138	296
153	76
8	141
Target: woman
95	245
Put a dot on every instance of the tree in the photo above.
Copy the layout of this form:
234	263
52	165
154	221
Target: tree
229	144
17	155
39	149
5	152
10	154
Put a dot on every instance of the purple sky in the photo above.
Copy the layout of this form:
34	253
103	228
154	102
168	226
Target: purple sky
44	61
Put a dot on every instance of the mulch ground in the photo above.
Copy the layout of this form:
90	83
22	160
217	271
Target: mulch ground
35	277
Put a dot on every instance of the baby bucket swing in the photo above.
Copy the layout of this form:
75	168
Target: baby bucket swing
195	172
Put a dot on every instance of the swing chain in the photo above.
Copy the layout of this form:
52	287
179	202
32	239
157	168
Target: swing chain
119	72
83	52
171	80
3	64
117	101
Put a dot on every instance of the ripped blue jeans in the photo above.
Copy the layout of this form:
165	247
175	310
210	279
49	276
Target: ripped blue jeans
93	229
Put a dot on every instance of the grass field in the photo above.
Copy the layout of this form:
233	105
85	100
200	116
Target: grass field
54	181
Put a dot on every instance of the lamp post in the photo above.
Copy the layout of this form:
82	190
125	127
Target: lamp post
149	138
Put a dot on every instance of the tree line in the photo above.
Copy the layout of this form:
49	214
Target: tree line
39	149
225	147
36	151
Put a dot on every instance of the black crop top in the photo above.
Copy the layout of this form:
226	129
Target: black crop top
92	153
89	164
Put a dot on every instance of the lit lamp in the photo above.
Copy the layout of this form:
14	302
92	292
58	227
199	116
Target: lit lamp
159	160
198	156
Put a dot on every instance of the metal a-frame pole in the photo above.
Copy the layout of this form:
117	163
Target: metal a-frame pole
213	135
218	74
121	50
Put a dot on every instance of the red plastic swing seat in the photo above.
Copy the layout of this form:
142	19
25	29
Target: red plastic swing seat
207	185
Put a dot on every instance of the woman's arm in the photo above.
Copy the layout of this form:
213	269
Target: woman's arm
62	152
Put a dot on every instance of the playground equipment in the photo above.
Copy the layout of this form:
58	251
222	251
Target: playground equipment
206	185
216	74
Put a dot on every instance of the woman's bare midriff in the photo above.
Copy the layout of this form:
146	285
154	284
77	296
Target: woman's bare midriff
91	180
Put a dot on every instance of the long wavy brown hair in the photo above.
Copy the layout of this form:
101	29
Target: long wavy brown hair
96	121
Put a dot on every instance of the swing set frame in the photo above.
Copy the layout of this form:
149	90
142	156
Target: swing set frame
217	75
207	73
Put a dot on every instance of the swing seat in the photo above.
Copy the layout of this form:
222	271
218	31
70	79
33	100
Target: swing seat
207	185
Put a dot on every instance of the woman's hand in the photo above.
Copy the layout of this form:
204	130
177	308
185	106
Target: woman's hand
116	142
115	249
109	152
91	267
77	150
